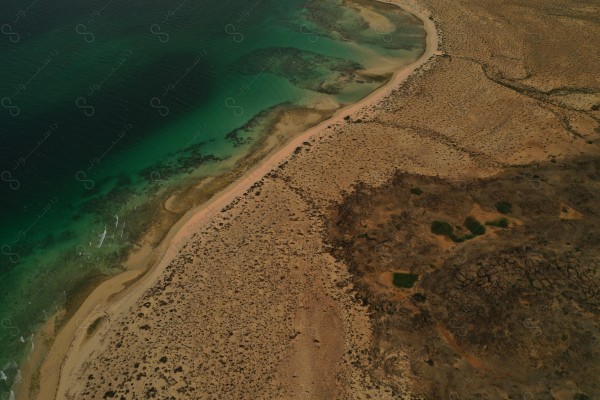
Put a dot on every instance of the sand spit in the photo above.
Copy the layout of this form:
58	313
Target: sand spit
247	301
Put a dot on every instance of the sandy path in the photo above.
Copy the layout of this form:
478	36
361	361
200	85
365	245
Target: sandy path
71	347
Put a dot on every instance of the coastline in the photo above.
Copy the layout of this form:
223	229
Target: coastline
116	295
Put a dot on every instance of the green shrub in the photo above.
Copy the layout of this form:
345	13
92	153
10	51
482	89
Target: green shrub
468	236
504	207
416	190
404	280
441	228
498	223
474	226
94	325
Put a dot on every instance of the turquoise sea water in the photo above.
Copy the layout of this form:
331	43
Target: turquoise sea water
110	106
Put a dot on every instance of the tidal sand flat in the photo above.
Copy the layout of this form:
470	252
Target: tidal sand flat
119	120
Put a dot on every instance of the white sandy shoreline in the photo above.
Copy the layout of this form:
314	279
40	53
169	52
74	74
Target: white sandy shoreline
72	347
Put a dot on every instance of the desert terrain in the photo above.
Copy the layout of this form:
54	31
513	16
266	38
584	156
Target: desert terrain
439	243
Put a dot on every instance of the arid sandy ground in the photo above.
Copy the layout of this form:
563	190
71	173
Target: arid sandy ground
285	294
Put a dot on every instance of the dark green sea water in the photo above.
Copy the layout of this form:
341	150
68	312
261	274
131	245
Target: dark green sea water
108	107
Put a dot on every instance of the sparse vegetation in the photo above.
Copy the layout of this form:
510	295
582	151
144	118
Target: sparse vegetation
416	190
504	207
476	281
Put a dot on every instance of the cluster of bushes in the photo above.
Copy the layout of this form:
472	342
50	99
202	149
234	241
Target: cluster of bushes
443	228
474	227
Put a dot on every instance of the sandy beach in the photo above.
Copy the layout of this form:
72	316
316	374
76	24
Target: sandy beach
245	297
